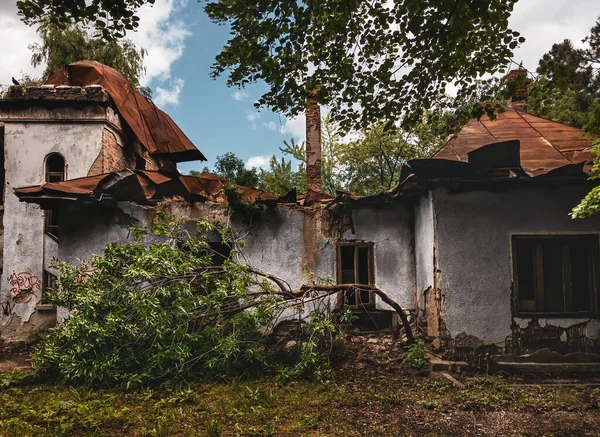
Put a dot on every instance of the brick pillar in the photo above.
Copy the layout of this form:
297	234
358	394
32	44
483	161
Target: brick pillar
313	143
516	83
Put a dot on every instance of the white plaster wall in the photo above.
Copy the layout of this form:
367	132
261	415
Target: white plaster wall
26	146
277	246
424	244
391	231
287	242
474	250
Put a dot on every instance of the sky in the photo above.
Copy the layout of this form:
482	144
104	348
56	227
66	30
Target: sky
182	44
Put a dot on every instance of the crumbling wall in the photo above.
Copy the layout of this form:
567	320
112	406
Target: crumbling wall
473	252
390	229
26	146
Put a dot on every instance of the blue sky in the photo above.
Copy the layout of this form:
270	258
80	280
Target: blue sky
219	119
182	44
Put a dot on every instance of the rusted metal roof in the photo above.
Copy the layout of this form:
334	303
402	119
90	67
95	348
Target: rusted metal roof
545	145
140	186
152	127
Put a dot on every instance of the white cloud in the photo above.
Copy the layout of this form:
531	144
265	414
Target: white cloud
169	96
252	115
295	127
15	37
545	22
163	36
271	125
261	161
240	95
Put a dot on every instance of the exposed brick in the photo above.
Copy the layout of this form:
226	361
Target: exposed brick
114	156
313	144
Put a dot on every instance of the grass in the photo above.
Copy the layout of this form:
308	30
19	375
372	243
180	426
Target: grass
373	404
375	393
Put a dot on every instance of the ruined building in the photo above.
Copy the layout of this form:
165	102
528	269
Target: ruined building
476	242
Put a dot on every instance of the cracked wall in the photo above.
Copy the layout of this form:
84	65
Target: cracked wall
477	227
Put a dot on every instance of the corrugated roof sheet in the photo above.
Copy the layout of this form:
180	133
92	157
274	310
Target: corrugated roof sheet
545	145
153	128
141	186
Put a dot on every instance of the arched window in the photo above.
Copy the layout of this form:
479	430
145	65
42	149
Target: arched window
55	168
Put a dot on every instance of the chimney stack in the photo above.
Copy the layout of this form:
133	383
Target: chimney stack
516	85
313	143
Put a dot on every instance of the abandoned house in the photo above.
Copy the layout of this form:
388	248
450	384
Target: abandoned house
476	242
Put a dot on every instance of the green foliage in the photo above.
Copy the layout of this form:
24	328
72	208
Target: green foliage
144	313
280	179
393	61
567	91
315	343
63	46
367	165
111	19
373	162
233	169
417	355
250	210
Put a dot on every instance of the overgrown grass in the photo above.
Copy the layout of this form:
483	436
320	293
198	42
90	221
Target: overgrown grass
368	403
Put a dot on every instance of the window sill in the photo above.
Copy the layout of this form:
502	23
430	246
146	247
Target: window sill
54	237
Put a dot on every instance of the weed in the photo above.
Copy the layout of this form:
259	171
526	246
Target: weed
417	355
212	428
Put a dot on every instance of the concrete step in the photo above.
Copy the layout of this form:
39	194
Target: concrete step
533	367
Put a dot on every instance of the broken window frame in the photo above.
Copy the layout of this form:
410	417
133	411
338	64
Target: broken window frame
536	306
48	280
342	300
51	224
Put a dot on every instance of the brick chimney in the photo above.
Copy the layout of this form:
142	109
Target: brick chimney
313	143
516	85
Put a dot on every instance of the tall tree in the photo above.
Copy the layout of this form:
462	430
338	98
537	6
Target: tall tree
370	61
232	168
280	178
373	162
567	86
64	46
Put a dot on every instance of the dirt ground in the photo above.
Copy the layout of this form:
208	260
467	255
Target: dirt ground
375	393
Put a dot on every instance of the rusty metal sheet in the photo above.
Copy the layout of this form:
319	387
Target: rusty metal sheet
544	143
139	186
154	129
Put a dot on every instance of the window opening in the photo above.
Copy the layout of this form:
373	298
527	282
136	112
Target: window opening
556	274
55	172
355	266
55	168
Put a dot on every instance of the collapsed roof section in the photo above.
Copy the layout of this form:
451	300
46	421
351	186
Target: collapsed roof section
141	186
545	145
153	128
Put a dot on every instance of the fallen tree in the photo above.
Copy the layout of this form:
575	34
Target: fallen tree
184	307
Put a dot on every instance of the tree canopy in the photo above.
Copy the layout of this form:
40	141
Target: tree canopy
567	90
110	18
368	61
64	46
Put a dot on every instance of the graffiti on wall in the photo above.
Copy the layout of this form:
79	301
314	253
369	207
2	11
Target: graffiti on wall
24	286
